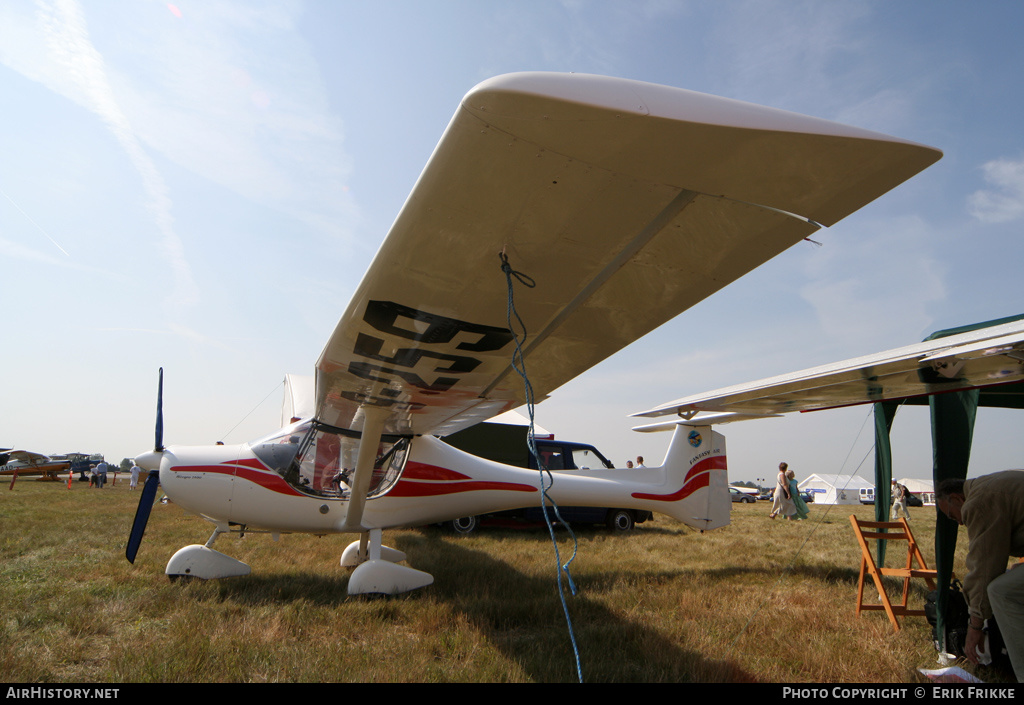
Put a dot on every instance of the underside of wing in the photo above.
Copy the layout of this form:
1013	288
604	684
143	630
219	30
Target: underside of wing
981	358
625	202
29	457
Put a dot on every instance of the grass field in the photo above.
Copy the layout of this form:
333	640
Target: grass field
758	601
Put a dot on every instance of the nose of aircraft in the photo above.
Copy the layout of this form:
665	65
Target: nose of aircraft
150	460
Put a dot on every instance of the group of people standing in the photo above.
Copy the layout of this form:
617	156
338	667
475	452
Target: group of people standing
787	500
98	475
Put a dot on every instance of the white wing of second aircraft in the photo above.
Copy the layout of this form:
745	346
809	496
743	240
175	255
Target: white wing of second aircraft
28	458
625	202
980	358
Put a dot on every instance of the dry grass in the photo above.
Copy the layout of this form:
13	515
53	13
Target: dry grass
759	601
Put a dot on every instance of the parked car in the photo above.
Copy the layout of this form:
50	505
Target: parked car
807	497
743	497
507	444
766	497
913	500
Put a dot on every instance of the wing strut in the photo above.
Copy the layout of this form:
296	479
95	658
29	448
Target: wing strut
676	206
373	428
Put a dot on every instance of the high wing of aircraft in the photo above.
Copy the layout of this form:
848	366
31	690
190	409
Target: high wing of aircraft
605	207
28	462
626	202
981	358
23	459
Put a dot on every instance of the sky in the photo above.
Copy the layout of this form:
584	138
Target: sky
200	186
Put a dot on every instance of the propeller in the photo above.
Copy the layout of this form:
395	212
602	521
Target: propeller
159	445
150	461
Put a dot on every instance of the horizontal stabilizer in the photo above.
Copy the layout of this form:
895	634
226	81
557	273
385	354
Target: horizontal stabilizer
702	420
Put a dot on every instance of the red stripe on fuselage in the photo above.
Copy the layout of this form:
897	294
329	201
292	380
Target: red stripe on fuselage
716	462
253	463
418	479
422	471
697	477
423	480
432	489
267	480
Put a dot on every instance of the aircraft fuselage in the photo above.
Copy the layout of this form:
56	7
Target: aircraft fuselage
235	484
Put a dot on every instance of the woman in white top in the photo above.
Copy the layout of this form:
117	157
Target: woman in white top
783	503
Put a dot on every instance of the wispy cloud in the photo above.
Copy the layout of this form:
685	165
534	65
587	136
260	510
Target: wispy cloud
1005	200
786	54
205	93
60	55
16	251
854	282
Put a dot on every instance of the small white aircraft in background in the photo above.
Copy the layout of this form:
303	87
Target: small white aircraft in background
625	203
21	460
28	462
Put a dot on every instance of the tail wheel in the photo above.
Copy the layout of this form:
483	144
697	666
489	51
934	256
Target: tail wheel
620	520
465	525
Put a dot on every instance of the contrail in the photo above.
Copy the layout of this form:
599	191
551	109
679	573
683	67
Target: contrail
56	244
85	81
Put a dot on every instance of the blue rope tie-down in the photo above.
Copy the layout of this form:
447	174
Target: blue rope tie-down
519	365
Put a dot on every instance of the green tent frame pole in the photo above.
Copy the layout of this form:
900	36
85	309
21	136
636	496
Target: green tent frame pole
885	412
953	415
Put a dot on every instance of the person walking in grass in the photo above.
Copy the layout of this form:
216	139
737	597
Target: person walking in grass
783	501
802	512
899	502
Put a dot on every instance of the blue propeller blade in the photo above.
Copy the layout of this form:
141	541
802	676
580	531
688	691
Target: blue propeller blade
152	482
142	514
160	413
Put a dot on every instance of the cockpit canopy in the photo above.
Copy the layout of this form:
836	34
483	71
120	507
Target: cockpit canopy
318	460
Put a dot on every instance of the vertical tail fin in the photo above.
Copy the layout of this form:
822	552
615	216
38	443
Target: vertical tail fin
696	463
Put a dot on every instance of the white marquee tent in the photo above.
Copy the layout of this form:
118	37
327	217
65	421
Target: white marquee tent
835	489
925	489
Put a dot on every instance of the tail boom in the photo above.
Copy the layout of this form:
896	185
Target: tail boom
442	483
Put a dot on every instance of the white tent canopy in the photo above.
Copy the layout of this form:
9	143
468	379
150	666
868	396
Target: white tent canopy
925	489
514	418
835	489
299	399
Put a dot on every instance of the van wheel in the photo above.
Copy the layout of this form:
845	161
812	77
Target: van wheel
465	525
620	520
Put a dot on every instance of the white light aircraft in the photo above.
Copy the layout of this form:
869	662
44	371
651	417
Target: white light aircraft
28	462
625	203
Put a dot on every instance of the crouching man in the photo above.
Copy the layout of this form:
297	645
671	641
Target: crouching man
992	509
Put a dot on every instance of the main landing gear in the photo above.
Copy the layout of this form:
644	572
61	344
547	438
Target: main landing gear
376	566
377	570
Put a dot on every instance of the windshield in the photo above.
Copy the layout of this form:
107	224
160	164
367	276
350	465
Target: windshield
278	450
300	428
319	460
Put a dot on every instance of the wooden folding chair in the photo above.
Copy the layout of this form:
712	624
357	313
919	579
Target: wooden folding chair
896	531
